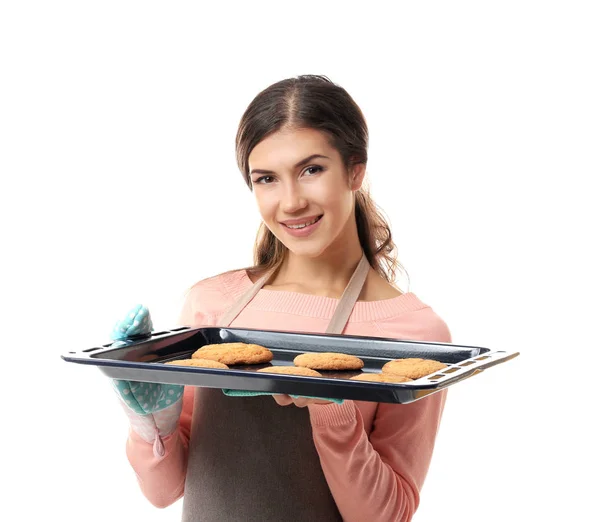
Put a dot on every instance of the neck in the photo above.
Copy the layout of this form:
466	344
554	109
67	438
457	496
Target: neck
327	274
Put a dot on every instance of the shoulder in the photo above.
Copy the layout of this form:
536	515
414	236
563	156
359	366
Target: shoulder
415	320
376	288
213	295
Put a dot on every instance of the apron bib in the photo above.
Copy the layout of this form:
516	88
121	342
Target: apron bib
251	460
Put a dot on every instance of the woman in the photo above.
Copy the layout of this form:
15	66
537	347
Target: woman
302	150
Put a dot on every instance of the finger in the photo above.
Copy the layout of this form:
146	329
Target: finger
320	401
302	402
282	400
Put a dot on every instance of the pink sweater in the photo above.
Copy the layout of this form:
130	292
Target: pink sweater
374	456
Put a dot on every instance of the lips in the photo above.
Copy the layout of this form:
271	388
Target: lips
300	224
301	221
304	227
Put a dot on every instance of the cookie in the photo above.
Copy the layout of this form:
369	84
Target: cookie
329	361
235	353
412	368
380	377
290	370
199	363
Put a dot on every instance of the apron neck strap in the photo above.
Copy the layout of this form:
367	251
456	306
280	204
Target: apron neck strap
342	311
349	297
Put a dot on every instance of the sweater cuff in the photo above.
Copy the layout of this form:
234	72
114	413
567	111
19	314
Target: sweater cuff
323	415
168	442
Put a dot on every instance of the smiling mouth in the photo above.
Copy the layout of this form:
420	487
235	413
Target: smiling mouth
303	225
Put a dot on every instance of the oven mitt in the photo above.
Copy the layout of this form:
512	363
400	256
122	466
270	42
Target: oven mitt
242	393
153	409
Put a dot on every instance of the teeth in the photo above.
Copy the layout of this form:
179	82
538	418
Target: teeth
304	225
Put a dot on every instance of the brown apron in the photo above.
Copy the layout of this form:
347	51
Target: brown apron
251	460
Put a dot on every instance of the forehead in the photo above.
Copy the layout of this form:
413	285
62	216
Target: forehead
286	147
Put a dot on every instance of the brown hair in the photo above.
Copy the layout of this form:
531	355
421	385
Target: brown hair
315	102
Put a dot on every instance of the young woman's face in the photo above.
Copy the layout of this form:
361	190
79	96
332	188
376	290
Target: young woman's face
303	192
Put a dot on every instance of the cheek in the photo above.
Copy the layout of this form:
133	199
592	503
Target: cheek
267	204
338	201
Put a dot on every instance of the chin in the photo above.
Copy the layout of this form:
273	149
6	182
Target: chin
305	250
308	253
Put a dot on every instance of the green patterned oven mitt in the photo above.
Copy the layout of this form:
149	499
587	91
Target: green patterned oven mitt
153	409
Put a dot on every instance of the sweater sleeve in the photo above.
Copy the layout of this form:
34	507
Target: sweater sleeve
162	479
378	476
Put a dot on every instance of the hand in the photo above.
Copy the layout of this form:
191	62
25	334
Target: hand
141	397
153	409
300	402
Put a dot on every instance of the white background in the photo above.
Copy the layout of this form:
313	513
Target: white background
119	186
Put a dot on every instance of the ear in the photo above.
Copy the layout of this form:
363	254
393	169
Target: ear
357	175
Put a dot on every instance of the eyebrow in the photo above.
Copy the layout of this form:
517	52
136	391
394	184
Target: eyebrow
299	164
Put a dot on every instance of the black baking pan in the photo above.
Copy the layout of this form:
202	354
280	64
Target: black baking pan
142	358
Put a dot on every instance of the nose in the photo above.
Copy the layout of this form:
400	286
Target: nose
292	199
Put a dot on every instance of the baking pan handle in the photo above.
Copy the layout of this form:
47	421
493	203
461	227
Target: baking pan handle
463	370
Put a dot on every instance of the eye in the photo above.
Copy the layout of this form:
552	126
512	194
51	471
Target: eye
314	169
263	179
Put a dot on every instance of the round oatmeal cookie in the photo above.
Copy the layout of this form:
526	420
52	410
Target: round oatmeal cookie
199	363
234	353
329	361
380	377
412	368
291	370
